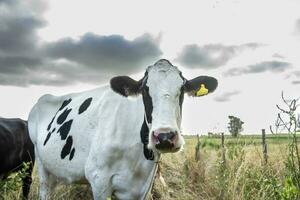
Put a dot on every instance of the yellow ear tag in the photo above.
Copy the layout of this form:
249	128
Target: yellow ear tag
202	91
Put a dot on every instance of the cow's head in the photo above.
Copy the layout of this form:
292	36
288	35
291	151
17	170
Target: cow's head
163	88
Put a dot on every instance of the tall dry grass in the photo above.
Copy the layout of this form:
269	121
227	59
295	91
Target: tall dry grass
243	176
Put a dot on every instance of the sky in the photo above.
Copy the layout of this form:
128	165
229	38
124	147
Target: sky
58	47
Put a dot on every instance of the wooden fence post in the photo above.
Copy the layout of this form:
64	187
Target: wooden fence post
223	148
197	148
223	166
264	146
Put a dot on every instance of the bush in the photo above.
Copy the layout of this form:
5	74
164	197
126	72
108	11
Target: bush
10	186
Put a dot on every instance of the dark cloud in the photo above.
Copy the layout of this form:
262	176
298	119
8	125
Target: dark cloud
55	73
7	2
18	64
18	34
26	60
210	56
271	66
226	96
18	39
107	53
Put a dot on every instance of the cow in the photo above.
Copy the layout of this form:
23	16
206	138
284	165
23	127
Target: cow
112	137
15	149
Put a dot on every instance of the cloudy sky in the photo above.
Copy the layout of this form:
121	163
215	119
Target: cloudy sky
251	46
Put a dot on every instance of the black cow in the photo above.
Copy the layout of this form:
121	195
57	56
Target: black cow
16	148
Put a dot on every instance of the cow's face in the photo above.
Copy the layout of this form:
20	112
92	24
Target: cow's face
163	89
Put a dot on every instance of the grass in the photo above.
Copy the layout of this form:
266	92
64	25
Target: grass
244	175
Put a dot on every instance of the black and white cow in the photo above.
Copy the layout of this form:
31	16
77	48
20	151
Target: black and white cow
107	140
15	149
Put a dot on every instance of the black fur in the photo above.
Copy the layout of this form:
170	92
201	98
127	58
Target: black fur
50	124
47	138
125	85
65	103
84	106
147	99
67	148
63	116
65	129
148	105
72	154
149	155
16	148
192	86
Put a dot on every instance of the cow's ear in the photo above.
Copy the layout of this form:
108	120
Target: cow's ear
125	85
200	86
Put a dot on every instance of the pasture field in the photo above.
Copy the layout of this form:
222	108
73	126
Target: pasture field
243	175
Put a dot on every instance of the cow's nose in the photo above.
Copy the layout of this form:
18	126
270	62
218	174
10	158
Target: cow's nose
166	137
165	140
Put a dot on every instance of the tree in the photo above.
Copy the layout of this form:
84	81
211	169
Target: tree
235	125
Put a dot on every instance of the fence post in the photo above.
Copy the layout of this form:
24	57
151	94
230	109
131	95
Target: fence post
197	148
223	148
223	166
264	146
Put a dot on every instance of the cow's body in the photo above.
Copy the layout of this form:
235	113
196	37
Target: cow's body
110	141
15	149
106	138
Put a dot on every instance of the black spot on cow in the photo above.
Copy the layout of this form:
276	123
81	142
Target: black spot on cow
67	148
65	103
85	105
149	155
147	99
144	133
72	154
50	124
65	129
63	116
181	97
47	138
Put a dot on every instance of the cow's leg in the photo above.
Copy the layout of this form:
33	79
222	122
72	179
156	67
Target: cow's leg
27	180
99	180
100	185
47	181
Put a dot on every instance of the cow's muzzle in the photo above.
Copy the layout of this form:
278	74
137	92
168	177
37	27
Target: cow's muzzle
165	141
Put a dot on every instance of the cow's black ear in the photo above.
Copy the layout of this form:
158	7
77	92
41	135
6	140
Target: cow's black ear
125	85
200	86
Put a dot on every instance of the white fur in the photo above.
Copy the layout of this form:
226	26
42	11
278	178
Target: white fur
109	153
108	149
